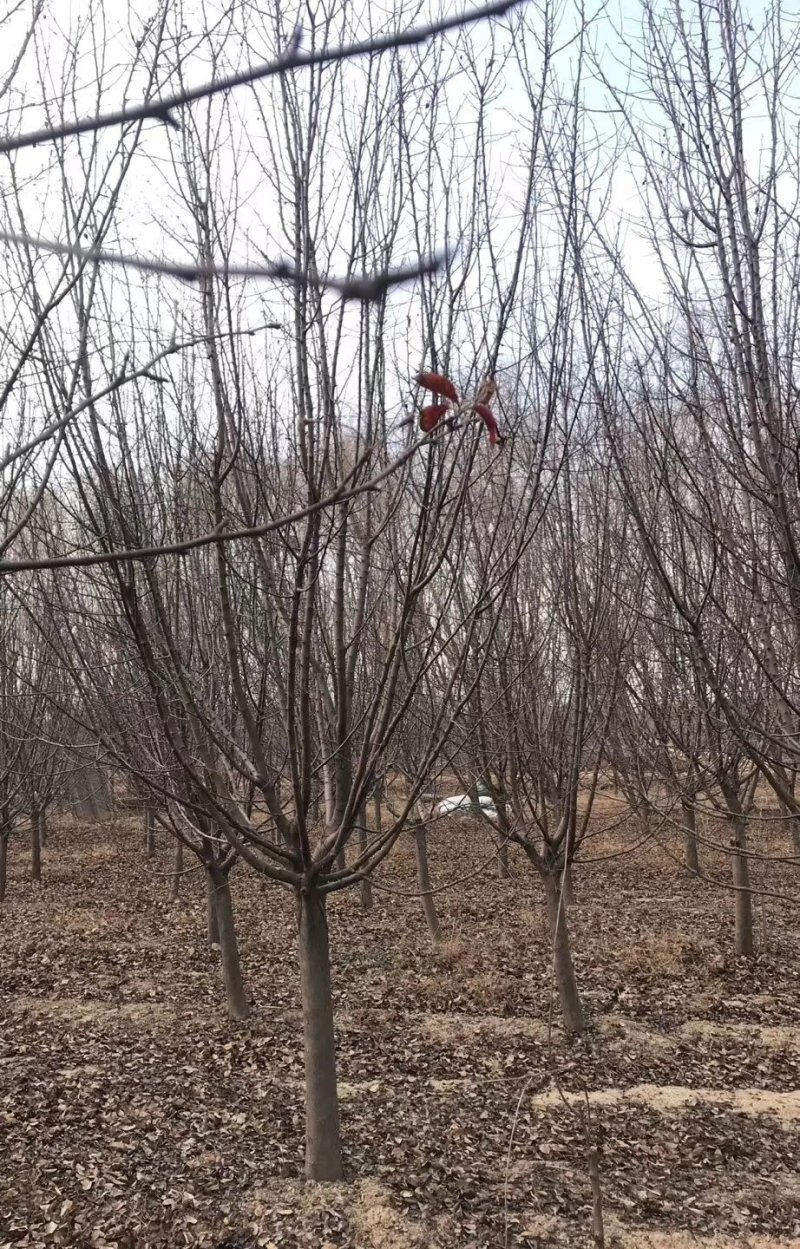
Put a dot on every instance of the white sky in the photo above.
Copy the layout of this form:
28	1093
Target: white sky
150	219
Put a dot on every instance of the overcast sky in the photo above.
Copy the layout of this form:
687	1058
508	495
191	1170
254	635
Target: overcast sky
100	40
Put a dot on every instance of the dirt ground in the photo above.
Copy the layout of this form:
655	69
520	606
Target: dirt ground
132	1113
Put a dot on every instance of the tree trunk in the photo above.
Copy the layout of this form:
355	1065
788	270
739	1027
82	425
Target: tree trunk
149	833
424	882
330	798
569	886
566	981
323	1142
177	871
365	886
36	845
692	858
792	823
212	927
3	866
744	943
43	827
503	829
238	1006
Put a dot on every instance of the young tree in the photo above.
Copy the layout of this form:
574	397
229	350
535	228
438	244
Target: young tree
255	688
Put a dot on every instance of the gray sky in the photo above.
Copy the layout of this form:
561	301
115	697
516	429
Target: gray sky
151	218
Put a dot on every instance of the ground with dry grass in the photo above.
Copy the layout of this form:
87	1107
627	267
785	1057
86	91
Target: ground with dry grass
133	1114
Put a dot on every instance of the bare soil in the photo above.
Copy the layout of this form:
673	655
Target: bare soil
132	1113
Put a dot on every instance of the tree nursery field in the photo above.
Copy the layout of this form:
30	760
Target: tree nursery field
133	1112
399	625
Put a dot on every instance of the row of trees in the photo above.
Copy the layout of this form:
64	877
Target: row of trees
615	590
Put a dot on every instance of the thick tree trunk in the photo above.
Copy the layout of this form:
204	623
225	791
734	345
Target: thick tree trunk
323	1141
424	882
3	866
566	981
43	827
692	858
177	871
238	1006
36	845
212	927
744	943
149	833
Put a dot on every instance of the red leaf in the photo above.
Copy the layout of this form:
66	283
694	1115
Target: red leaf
486	414
431	415
439	384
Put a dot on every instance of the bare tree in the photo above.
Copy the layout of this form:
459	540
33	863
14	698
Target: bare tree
254	690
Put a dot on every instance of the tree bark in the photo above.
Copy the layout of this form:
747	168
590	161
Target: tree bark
792	823
212	927
43	827
238	1006
692	857
503	829
177	871
424	882
744	942
36	845
3	866
365	886
323	1141
330	798
566	981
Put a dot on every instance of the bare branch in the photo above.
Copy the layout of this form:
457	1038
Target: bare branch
367	289
340	495
163	109
146	371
